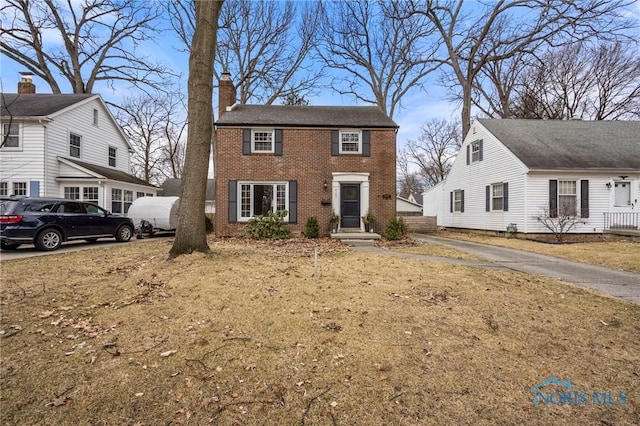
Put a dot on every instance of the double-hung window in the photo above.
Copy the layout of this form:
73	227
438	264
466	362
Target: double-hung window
497	196
11	135
350	142
116	200
95	117
475	151
567	204
262	140
4	188
74	145
260	198
112	156
458	201
128	200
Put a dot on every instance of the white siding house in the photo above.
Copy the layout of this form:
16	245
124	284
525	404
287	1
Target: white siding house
66	146
511	171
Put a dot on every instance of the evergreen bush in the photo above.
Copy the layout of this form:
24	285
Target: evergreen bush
396	229
270	227
312	228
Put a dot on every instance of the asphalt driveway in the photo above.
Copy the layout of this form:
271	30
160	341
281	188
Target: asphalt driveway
625	285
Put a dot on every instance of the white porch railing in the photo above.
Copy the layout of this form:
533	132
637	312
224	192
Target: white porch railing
621	220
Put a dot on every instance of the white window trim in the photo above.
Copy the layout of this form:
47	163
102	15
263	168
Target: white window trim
575	195
95	118
475	150
252	183
115	156
343	131
253	141
457	201
5	189
494	197
12	148
69	144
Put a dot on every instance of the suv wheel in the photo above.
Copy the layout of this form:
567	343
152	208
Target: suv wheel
48	240
124	233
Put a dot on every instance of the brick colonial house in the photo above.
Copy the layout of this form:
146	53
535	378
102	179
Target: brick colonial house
307	160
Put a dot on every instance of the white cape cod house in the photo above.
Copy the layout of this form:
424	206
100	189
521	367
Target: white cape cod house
510	171
66	146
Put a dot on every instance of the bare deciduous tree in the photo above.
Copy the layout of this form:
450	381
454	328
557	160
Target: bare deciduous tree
434	151
560	221
82	43
503	29
155	124
191	231
590	82
381	49
265	45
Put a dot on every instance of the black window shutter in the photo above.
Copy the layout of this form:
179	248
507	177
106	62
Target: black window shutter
553	198
246	141
480	155
487	198
468	157
505	196
584	198
233	201
335	147
366	143
451	202
462	201
293	201
278	142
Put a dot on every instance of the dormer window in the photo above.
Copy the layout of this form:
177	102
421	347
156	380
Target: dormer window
262	140
350	142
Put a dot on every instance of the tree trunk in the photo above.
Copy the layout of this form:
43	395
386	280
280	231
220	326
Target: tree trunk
191	231
466	108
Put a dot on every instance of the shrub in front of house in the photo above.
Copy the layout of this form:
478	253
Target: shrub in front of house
396	229
312	228
208	224
270	227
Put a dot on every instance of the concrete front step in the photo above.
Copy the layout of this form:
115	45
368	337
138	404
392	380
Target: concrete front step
356	236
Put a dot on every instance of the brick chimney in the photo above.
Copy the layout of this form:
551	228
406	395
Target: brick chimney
226	93
25	85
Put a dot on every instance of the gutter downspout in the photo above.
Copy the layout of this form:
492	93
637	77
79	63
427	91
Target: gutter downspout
46	160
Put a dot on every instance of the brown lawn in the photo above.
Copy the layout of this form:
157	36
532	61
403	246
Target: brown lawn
120	336
622	255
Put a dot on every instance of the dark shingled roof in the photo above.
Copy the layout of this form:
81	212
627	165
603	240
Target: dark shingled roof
570	145
37	105
173	187
109	173
306	116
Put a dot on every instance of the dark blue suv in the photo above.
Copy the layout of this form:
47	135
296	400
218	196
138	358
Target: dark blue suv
47	222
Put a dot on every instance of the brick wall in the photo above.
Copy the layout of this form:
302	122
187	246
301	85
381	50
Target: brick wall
307	159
